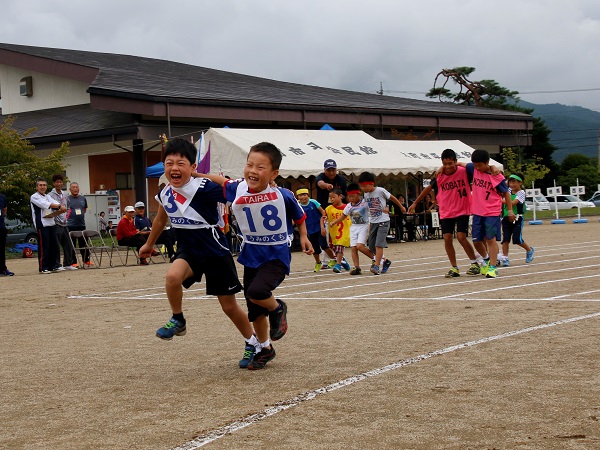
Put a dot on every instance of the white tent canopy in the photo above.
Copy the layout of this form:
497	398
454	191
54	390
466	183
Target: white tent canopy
305	151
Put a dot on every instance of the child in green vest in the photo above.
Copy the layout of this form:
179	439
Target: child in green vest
514	230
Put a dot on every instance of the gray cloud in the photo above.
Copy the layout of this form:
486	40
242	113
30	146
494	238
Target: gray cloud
349	44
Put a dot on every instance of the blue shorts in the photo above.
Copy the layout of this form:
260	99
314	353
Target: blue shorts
486	228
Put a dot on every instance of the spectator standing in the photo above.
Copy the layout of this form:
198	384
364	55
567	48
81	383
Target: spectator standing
43	211
326	181
62	232
3	209
103	224
76	208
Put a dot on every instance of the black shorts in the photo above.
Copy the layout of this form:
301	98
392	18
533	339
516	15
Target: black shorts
314	240
260	283
220	271
461	223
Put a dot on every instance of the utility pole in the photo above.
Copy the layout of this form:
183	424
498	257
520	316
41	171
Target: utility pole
380	92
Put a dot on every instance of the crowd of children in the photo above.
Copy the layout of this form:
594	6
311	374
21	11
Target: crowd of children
267	214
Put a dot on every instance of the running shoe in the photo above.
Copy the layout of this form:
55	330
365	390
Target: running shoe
261	358
375	269
492	272
337	268
529	255
7	273
345	264
356	271
484	268
331	263
172	328
386	265
504	263
89	263
46	271
70	267
453	273
144	262
249	352
474	269
58	269
318	267
278	322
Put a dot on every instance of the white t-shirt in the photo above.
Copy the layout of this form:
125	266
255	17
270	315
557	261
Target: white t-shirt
377	201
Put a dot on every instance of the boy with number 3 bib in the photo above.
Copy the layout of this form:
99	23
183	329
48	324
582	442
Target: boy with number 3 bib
265	215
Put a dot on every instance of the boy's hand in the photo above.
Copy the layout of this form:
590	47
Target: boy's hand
145	251
494	170
306	245
323	232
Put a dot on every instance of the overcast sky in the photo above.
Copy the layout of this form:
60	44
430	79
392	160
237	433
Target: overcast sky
525	45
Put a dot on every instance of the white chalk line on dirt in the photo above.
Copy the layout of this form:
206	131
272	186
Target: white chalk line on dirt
574	294
252	419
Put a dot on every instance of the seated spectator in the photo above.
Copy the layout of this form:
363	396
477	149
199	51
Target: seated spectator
102	224
128	235
143	224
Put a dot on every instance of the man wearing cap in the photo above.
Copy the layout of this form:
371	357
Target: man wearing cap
128	235
329	180
143	224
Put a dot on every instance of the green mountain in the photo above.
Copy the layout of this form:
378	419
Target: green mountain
574	129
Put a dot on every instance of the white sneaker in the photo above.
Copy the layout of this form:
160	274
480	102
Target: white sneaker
45	271
58	269
70	268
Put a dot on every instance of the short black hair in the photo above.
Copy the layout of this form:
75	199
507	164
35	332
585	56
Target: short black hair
366	177
449	154
353	187
57	176
337	191
270	151
480	156
181	147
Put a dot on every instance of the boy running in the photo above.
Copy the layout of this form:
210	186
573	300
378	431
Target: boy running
486	206
314	226
514	229
265	215
453	193
339	235
377	198
191	207
358	211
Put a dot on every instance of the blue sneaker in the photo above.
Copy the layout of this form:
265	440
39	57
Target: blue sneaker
345	264
374	269
504	262
337	268
386	265
249	352
7	273
529	255
172	328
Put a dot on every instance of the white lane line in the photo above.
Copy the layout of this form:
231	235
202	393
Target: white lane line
436	299
251	419
573	294
563	280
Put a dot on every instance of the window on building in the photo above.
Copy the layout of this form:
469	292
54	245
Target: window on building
124	181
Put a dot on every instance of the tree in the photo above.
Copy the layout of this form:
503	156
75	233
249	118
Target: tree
579	167
575	160
533	170
489	94
20	167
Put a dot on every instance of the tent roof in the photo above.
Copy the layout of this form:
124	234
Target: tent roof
306	150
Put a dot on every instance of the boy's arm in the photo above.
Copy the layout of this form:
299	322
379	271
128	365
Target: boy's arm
338	220
157	227
215	178
397	202
427	190
304	242
507	201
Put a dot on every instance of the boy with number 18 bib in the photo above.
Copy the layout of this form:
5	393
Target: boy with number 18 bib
265	215
190	204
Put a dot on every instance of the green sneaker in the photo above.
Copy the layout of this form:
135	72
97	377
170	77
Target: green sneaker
484	268
331	263
318	267
453	273
492	272
474	269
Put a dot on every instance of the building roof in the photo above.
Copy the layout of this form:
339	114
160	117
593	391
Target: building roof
155	80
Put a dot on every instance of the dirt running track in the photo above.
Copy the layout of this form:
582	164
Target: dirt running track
406	360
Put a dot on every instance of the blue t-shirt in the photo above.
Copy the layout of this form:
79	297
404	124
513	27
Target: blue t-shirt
142	223
3	205
255	255
191	236
313	216
76	207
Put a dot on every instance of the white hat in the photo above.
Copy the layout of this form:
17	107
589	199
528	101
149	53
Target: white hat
129	209
140	205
